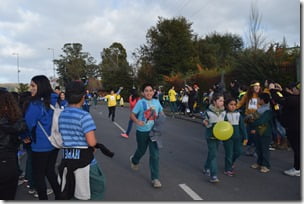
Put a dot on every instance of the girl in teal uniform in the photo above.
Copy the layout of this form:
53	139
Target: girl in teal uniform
215	113
233	146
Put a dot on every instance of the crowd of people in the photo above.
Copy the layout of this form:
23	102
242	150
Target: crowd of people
261	120
264	118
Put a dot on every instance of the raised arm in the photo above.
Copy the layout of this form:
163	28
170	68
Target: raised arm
119	90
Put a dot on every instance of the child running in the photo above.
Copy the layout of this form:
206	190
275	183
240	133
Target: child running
79	172
215	113
111	99
133	98
233	146
262	130
144	114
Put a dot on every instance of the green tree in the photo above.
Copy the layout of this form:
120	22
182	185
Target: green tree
219	51
75	64
23	88
115	69
169	48
277	63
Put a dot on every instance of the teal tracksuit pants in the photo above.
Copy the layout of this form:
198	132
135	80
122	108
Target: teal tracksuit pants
143	142
211	162
262	149
233	149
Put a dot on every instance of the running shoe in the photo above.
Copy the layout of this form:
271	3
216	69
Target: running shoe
264	169
292	172
48	192
214	179
133	166
156	183
124	135
229	173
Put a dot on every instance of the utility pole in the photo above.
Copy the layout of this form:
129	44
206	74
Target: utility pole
53	61
18	70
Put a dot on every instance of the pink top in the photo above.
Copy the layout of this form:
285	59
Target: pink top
133	103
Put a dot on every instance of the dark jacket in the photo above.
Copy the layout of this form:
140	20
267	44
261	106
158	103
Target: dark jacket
9	133
263	125
291	112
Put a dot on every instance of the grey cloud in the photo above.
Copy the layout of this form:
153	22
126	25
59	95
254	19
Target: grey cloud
30	27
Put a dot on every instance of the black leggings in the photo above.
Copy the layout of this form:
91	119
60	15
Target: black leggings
8	178
112	112
44	166
294	139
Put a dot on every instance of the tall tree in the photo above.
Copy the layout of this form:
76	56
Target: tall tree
219	51
73	64
115	69
169	48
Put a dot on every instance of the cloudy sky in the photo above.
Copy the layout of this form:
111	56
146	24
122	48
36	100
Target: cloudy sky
30	27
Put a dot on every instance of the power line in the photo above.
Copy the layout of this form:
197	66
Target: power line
183	6
198	10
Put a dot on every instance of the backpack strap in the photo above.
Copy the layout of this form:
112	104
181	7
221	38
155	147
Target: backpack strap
43	130
40	125
145	107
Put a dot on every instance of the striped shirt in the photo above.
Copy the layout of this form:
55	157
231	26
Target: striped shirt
74	123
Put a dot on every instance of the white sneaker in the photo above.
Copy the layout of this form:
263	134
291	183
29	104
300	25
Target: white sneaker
135	167
293	172
48	192
20	182
32	191
156	183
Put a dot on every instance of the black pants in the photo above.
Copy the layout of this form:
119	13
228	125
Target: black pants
190	106
44	166
8	178
112	112
293	136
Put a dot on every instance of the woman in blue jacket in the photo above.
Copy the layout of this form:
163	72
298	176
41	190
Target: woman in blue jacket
44	155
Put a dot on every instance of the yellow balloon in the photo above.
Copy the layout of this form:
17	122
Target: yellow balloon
222	130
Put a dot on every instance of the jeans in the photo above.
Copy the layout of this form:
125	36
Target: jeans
130	124
86	107
173	106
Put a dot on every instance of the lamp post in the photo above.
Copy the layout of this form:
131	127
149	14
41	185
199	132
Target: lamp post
53	61
18	70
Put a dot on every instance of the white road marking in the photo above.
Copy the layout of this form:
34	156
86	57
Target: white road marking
190	192
117	125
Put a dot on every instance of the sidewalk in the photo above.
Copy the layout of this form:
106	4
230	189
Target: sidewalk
196	118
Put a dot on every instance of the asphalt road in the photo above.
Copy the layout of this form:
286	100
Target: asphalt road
181	163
